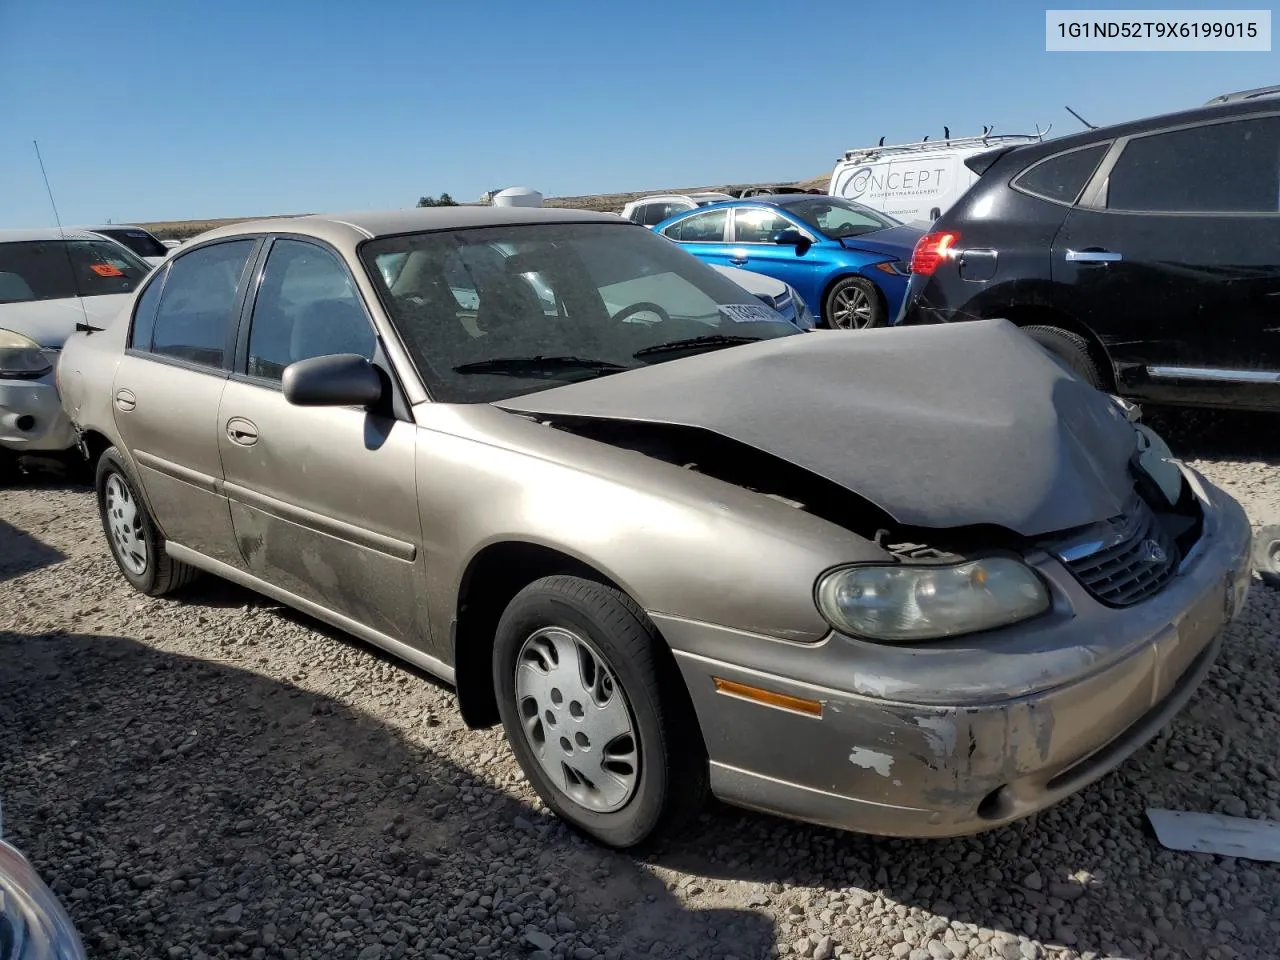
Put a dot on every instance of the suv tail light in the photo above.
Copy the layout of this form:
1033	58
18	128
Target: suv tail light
931	250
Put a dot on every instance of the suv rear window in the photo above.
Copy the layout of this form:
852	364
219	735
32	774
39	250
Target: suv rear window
1061	178
139	241
1231	167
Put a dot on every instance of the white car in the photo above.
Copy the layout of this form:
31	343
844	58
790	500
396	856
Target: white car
650	210
144	244
915	182
51	282
774	293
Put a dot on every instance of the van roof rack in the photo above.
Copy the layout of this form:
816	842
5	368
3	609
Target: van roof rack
1254	94
984	139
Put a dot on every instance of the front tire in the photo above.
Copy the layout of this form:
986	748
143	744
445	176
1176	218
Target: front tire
1266	554
853	303
135	542
1072	349
596	712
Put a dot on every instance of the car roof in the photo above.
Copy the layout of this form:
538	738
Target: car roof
112	226
367	224
765	200
48	233
1217	111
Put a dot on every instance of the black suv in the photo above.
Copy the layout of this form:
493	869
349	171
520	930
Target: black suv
1146	255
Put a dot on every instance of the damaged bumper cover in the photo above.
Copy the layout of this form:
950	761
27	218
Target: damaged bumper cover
958	737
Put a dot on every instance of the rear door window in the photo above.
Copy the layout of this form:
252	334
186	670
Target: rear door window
1061	178
1231	167
704	228
198	305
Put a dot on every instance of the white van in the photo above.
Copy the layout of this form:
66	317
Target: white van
914	181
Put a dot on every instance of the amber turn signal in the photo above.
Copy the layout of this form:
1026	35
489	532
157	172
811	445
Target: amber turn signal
770	698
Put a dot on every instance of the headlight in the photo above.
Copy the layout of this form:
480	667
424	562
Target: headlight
918	602
33	924
21	357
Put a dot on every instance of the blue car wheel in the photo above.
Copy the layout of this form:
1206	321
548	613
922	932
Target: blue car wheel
853	303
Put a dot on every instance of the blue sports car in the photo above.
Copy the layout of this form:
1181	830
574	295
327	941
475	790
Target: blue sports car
849	262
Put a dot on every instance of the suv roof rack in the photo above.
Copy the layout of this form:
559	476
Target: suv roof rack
1253	94
984	139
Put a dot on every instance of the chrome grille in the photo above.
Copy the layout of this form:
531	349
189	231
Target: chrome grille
1124	560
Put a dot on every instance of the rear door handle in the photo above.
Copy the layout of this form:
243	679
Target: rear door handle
242	431
1093	256
125	400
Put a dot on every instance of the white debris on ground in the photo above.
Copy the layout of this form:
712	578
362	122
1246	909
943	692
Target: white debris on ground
210	775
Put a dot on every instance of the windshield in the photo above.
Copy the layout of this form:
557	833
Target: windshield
59	269
493	313
139	241
838	218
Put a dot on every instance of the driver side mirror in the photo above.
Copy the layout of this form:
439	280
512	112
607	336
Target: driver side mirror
792	238
338	380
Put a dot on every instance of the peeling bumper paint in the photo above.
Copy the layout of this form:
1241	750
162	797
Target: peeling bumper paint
1065	702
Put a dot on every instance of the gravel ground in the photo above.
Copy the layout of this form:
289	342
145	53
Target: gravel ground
212	775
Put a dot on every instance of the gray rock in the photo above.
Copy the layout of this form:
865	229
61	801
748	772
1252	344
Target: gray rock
538	939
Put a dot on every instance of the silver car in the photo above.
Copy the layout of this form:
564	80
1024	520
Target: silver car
918	582
50	281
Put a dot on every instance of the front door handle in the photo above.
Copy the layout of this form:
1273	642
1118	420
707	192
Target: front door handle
1093	256
125	400
242	431
738	256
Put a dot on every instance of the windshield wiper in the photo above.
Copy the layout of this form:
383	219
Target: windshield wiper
707	340
532	366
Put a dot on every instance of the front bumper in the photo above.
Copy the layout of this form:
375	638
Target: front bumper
31	417
960	737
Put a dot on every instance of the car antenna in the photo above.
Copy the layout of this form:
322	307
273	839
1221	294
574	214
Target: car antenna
85	327
881	143
926	137
946	133
1081	119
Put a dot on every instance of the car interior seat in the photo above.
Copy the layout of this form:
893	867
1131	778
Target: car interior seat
14	287
324	327
509	309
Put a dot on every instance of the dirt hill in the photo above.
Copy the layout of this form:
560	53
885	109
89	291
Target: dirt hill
604	202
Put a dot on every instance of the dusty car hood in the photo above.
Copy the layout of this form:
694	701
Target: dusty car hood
50	322
895	241
939	426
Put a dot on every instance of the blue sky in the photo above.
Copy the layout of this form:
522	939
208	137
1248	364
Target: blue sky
168	109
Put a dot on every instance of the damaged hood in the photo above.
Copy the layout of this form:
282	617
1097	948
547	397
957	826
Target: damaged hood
940	426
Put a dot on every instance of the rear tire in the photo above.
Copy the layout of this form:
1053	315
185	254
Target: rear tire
1072	349
135	542
1266	554
596	711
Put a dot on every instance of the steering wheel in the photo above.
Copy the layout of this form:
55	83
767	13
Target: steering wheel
644	306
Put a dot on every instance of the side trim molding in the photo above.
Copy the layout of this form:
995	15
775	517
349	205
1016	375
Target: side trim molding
1215	374
338	529
178	472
